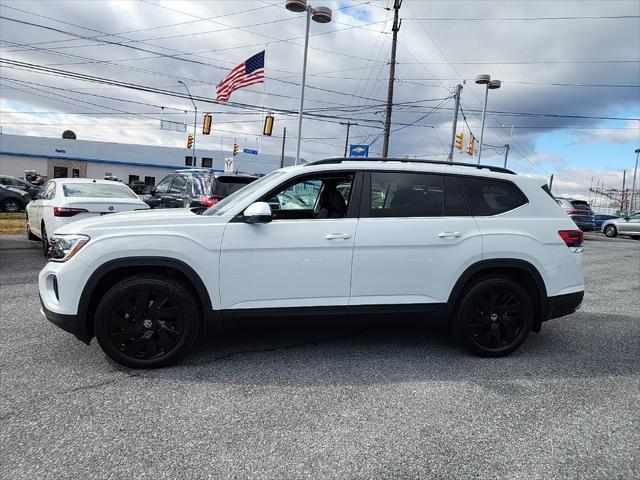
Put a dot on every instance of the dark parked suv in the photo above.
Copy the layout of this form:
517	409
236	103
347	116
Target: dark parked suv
195	188
579	211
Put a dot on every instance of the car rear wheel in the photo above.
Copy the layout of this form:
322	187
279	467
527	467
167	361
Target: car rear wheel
11	205
147	322
45	240
494	317
611	231
30	235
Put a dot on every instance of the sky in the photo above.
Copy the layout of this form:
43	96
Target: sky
570	73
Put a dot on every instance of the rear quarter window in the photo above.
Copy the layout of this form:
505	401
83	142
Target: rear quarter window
489	196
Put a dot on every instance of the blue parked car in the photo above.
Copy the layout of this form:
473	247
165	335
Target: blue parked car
598	220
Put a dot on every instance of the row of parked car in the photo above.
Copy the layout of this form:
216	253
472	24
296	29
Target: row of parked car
611	225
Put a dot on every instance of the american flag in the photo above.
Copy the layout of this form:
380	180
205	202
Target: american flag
247	73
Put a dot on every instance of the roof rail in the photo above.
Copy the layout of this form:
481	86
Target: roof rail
491	168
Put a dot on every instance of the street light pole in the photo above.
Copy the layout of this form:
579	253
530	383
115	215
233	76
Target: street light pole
632	205
195	123
456	96
490	85
320	15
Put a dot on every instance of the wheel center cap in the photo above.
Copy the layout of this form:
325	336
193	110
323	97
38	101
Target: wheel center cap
494	317
147	323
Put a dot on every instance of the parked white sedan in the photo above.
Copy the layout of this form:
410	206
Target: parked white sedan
66	200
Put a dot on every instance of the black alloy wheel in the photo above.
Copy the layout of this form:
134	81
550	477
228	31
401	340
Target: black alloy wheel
45	241
495	317
145	322
11	206
611	231
30	234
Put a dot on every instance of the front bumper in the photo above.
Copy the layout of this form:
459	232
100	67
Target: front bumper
68	323
562	305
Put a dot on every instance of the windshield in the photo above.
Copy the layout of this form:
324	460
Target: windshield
97	190
228	203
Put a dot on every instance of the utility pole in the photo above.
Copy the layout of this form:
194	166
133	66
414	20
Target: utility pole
507	146
392	75
346	142
284	137
624	175
551	183
632	206
456	96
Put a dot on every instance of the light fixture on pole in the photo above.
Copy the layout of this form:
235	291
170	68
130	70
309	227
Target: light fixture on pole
195	123
319	15
491	85
632	205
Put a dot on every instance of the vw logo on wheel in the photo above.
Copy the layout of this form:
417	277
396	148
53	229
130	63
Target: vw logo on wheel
111	208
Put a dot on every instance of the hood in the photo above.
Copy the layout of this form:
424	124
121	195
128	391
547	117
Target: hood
165	219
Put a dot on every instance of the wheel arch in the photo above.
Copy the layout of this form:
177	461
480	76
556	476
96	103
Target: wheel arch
109	273
519	270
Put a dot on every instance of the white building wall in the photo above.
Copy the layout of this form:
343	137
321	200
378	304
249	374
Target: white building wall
15	166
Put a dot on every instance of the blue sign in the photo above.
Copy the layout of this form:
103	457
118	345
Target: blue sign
358	150
249	151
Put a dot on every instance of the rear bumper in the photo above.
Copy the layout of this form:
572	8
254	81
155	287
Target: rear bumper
562	305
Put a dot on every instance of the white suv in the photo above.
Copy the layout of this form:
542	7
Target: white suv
480	248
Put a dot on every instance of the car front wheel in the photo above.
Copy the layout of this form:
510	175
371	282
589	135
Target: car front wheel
494	317
611	231
147	322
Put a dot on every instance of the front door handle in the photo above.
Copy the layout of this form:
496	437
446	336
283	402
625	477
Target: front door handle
338	236
449	234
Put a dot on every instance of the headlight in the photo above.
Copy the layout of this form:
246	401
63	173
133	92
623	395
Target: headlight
63	247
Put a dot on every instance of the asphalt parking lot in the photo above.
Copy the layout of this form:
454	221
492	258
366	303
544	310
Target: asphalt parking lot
336	402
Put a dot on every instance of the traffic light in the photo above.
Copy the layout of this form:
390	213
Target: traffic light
268	125
471	147
206	124
459	139
189	141
236	149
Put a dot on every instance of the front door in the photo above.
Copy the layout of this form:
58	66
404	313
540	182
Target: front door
415	237
631	226
302	258
174	198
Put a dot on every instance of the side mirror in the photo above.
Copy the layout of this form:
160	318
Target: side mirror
627	218
258	212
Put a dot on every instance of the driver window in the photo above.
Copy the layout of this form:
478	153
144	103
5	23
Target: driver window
311	198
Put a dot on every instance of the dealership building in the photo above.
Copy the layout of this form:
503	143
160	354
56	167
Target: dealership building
60	157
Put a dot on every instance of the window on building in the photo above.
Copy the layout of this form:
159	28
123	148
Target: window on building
150	181
134	178
190	161
75	173
207	162
60	172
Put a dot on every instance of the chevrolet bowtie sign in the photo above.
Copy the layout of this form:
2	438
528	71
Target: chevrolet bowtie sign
358	150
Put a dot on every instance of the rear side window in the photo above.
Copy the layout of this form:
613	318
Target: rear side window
396	194
488	196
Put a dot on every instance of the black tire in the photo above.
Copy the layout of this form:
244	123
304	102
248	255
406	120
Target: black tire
11	205
45	241
494	317
147	321
30	235
611	231
635	237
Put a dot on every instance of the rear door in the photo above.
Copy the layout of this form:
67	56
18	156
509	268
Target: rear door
415	238
174	198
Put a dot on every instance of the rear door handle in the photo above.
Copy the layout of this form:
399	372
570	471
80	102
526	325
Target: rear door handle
338	236
449	234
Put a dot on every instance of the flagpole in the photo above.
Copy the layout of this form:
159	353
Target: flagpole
264	89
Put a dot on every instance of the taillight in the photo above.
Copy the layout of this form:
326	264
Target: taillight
67	212
572	212
573	238
210	201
